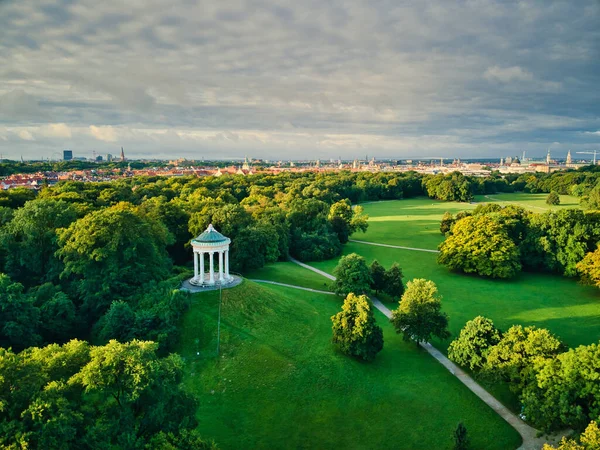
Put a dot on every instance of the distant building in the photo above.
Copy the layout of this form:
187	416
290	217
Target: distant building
246	165
67	155
99	158
569	159
109	157
122	154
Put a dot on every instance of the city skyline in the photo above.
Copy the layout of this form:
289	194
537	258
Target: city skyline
277	80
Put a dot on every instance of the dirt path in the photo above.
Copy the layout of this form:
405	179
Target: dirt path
528	434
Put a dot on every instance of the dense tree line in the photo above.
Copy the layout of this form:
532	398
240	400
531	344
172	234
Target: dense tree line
499	241
558	388
120	395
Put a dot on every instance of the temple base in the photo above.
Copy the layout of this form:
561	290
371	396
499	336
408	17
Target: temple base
198	281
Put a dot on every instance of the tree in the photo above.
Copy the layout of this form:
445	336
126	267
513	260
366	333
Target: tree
514	358
377	274
19	318
589	268
589	440
479	244
118	322
393	284
355	330
447	222
471	347
30	240
351	275
110	252
77	396
419	315
345	220
553	199
461	439
565	392
58	318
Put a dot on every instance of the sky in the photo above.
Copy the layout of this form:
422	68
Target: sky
292	79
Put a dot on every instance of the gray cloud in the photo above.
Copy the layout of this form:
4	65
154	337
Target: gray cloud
291	79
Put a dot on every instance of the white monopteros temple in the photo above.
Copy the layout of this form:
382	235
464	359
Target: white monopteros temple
213	244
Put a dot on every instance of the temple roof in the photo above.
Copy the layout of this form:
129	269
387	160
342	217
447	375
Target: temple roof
210	236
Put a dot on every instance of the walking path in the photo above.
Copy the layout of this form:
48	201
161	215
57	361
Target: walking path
528	434
394	246
293	286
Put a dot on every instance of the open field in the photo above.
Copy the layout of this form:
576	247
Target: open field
562	305
570	310
534	202
279	383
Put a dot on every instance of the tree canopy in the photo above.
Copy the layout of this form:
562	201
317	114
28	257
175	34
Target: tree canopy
355	331
419	317
479	244
352	275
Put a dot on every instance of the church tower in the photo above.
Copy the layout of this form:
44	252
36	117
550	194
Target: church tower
569	160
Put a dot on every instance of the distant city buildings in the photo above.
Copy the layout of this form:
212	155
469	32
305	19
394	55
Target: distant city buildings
67	155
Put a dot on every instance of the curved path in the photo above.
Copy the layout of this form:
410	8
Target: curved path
276	283
394	246
528	434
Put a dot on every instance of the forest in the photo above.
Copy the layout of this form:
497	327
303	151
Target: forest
90	275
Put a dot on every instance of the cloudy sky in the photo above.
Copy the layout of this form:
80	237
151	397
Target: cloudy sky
299	79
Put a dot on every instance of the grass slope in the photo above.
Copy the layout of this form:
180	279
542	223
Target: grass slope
290	273
279	383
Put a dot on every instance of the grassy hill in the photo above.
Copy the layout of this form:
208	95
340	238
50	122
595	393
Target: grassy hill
279	383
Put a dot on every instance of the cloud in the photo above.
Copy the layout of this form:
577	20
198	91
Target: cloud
507	75
104	133
299	79
18	105
26	135
55	130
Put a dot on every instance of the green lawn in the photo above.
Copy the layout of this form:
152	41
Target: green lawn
290	273
534	202
279	383
562	305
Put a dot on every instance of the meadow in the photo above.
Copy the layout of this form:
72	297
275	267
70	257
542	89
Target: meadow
279	383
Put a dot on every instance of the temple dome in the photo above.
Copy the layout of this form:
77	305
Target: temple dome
210	236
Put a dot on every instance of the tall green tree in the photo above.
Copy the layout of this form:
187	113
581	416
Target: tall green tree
471	347
516	355
589	268
565	392
19	317
30	239
351	275
377	274
419	317
346	220
461	438
110	252
479	244
553	198
355	330
393	284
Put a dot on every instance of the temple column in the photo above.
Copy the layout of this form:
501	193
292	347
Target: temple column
221	267
201	256
227	264
195	266
212	268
